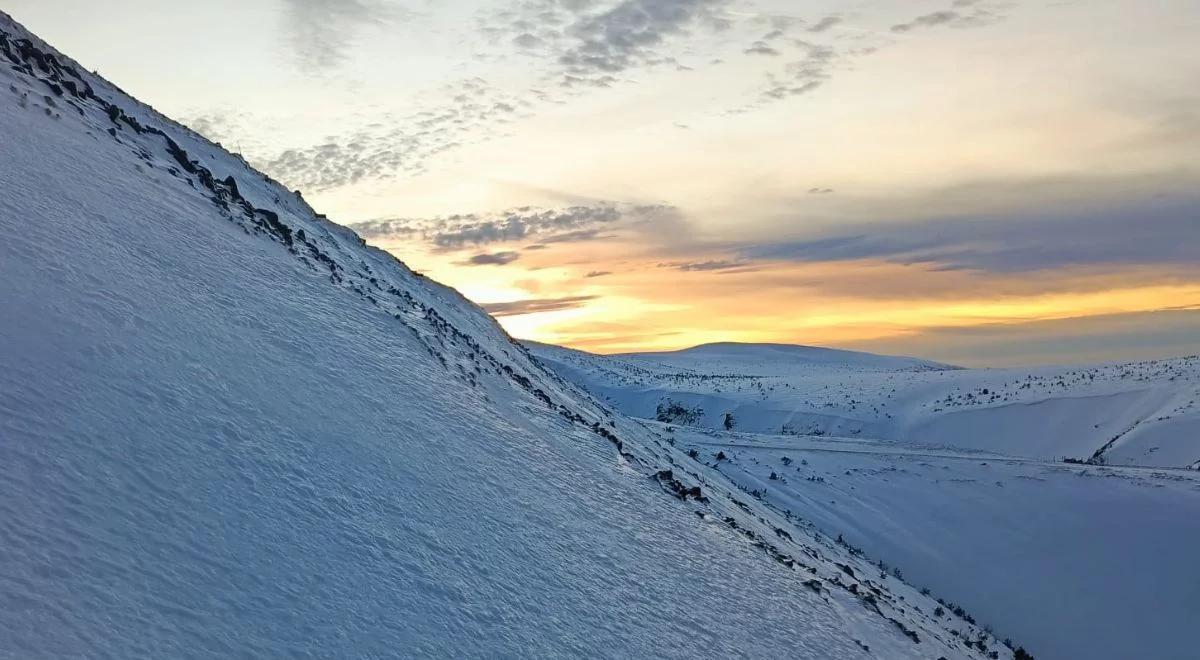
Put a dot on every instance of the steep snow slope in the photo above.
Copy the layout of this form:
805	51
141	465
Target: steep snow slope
228	427
1142	413
1076	561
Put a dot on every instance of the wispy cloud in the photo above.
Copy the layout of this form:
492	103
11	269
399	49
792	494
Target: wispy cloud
631	33
321	32
705	266
802	75
584	43
493	259
762	48
812	60
963	13
825	23
572	45
466	111
546	226
1156	231
569	46
536	305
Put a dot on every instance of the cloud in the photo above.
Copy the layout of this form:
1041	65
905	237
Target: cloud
825	23
1091	339
321	32
535	305
817	61
574	236
928	20
233	128
493	259
216	126
803	75
573	45
477	233
779	24
383	228
466	111
610	336
547	226
762	48
528	41
628	34
811	64
577	44
551	226
598	273
1151	231
704	266
958	16
586	44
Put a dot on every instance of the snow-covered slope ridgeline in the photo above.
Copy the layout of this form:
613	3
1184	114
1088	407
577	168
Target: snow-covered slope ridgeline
228	427
1139	413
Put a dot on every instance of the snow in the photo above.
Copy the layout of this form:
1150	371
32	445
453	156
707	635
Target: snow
955	476
1139	413
228	427
1075	561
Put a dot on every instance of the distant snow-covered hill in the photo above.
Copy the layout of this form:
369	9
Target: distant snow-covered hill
229	427
1138	413
782	359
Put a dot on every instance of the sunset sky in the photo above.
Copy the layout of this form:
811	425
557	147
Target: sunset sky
982	182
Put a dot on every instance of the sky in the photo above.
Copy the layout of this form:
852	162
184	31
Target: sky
984	182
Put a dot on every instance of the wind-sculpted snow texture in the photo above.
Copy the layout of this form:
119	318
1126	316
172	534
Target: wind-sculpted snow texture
1134	413
229	428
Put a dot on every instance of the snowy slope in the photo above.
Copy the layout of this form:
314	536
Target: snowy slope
1143	413
1076	561
228	427
955	476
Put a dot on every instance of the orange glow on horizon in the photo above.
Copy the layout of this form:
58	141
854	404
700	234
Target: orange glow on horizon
642	304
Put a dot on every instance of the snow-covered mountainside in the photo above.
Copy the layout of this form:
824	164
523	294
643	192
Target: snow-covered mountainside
1139	413
228	427
1076	561
955	478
